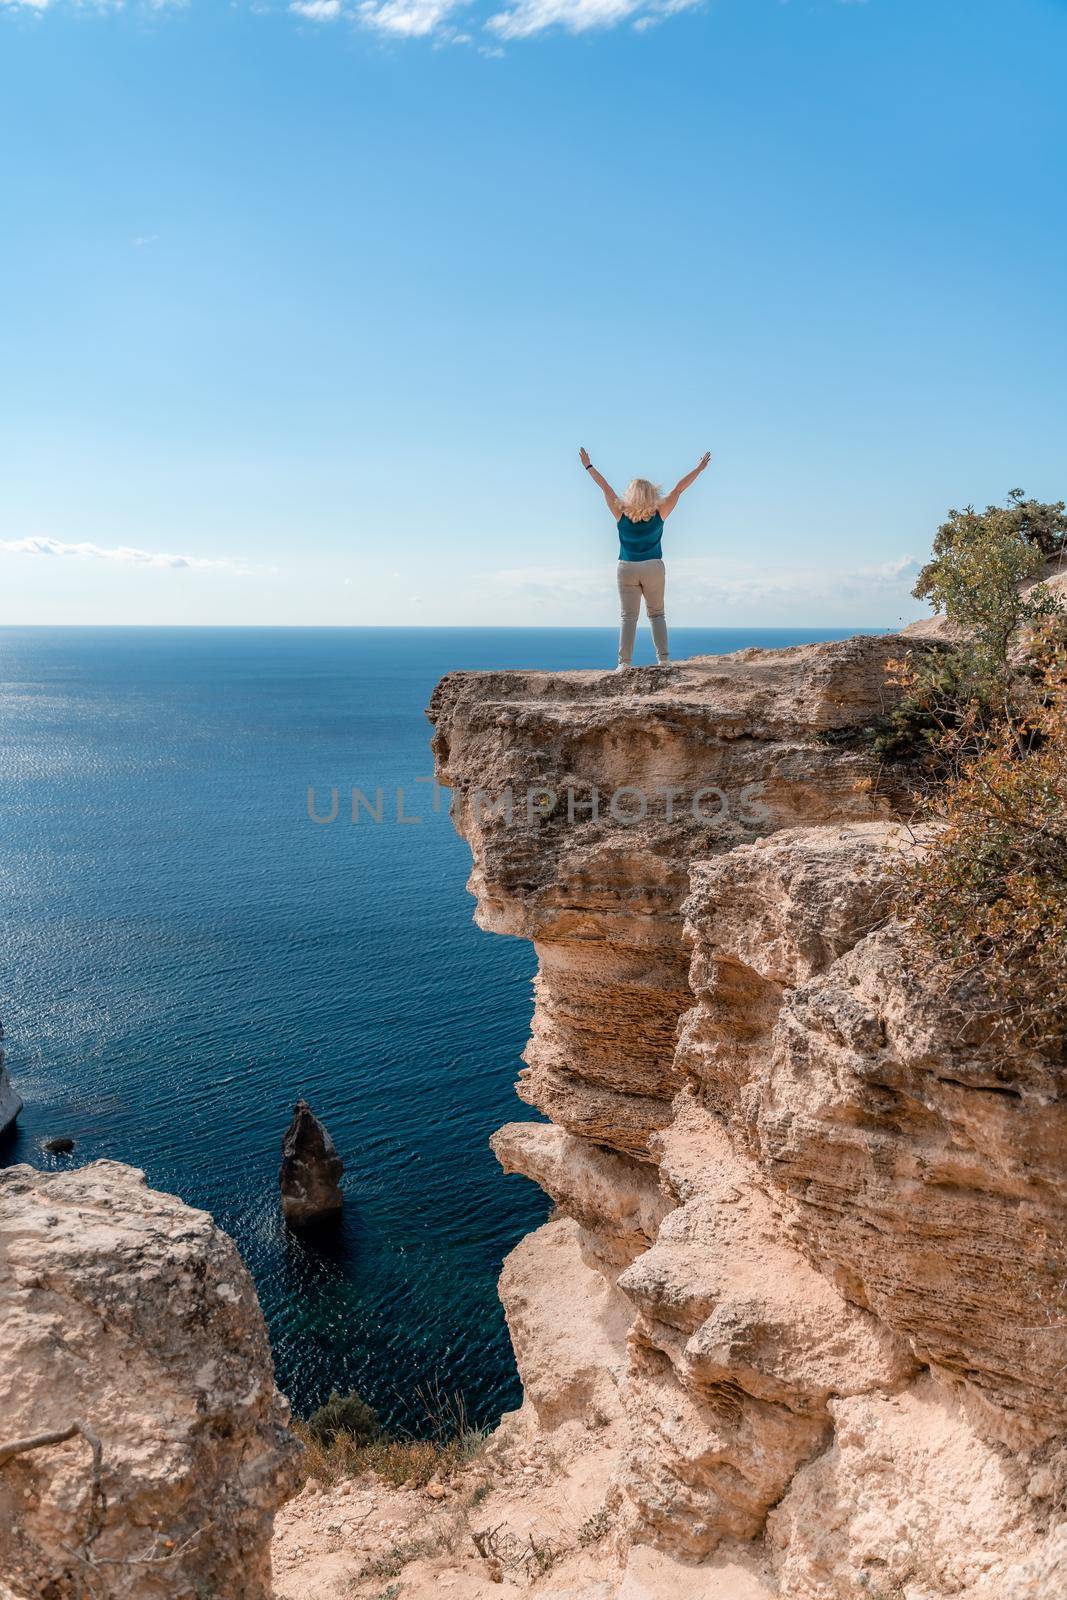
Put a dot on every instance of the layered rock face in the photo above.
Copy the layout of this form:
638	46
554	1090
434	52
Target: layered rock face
827	1214
127	1313
697	759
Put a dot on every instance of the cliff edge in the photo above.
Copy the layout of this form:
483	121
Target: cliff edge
805	1282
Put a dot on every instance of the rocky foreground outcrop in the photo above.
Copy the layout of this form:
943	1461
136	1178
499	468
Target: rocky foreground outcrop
824	1217
131	1315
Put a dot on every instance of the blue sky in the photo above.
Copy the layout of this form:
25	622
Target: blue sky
308	308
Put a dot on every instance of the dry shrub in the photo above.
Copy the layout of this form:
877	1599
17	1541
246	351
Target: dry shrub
342	1440
988	899
412	1461
343	1413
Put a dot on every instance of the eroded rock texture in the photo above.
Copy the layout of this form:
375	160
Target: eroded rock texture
716	752
832	1214
311	1170
129	1312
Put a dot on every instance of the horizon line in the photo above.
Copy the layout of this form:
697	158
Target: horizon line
451	627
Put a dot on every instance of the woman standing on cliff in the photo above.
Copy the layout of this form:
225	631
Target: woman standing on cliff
640	514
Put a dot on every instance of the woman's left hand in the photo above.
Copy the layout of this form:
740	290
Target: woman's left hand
583	456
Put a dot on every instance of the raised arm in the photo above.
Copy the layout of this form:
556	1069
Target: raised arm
667	505
605	487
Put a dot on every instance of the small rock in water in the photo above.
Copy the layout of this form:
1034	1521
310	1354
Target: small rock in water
60	1146
311	1169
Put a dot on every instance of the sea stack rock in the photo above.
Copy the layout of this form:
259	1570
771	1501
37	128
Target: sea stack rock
10	1104
311	1169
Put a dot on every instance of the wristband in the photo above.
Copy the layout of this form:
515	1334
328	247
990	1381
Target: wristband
589	466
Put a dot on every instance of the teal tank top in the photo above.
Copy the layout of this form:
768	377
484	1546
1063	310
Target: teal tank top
640	541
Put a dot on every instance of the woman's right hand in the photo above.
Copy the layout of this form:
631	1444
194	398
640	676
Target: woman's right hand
705	458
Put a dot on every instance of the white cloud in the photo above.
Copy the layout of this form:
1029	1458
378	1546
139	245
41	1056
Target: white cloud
126	556
660	10
525	18
101	6
903	566
317	10
409	19
434	19
95	5
528	17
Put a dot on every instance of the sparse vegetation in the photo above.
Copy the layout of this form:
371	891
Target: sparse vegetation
979	561
595	1527
503	1551
985	726
343	1439
953	699
395	1460
394	1560
988	897
346	1414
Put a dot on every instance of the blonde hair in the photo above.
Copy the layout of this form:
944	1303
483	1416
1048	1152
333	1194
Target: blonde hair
641	500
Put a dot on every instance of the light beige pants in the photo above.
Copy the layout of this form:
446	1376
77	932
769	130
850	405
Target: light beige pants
637	578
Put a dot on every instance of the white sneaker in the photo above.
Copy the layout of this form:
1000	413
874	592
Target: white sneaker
667	662
624	666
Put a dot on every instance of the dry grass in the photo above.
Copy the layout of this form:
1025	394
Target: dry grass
412	1461
442	1538
452	1443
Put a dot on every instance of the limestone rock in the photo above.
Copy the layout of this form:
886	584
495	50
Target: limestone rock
617	1198
1040	1575
739	1346
718	751
838	1214
909	1497
130	1312
310	1176
760	920
571	1367
10	1104
928	1175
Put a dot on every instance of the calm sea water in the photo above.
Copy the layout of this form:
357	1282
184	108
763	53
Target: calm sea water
184	954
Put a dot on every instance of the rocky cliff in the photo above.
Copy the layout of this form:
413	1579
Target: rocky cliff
807	1271
798	1325
143	1446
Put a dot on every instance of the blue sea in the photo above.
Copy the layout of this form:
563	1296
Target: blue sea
185	954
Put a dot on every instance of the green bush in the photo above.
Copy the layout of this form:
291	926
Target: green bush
985	902
931	704
343	1413
979	561
987	899
953	699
